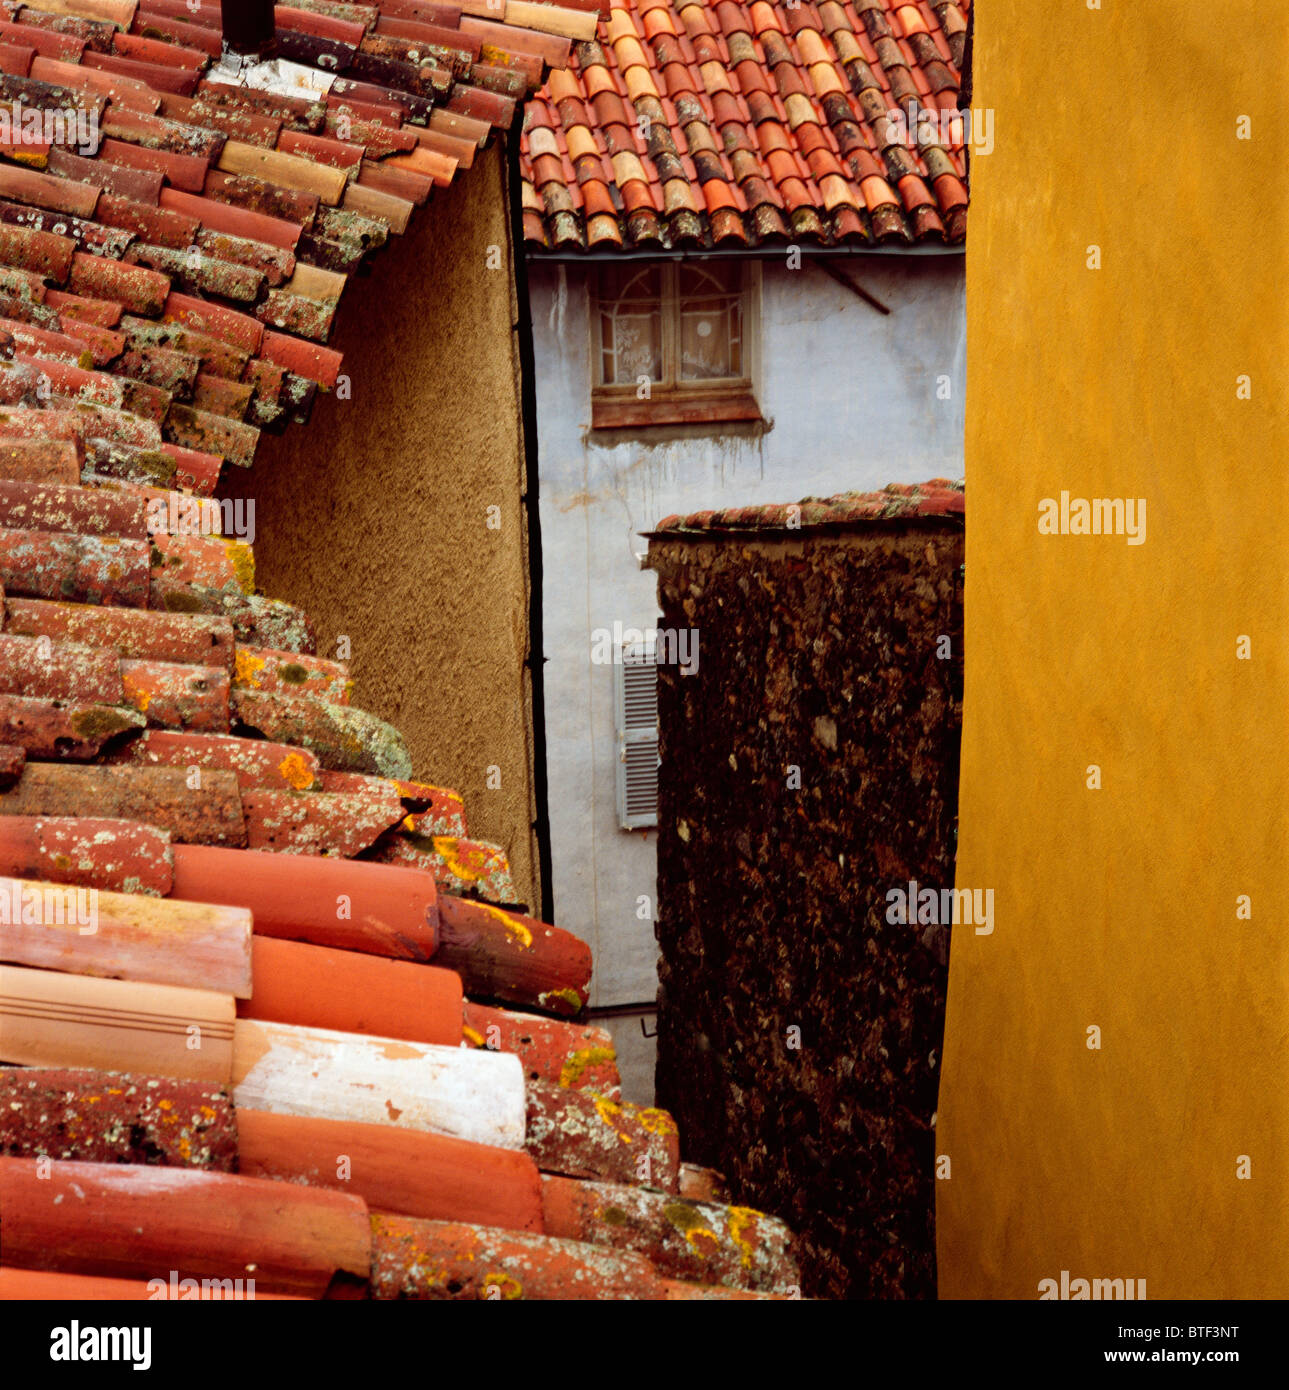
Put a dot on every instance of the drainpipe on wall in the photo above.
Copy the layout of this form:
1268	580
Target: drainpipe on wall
523	329
966	89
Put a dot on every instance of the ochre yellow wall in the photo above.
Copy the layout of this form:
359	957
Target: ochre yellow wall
1117	908
374	516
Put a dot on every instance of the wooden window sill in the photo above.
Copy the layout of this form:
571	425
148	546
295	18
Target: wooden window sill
619	412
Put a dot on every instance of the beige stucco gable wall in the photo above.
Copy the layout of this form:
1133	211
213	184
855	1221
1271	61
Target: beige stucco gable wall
374	518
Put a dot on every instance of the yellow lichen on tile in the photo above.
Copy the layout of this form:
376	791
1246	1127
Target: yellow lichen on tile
296	772
247	667
575	1066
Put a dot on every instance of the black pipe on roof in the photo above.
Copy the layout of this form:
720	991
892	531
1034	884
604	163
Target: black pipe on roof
248	27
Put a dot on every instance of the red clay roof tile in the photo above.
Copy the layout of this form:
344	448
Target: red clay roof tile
320	987
46	42
153	25
415	1259
739	1249
914	60
298	1238
507	956
331	823
394	910
423	1175
580	1135
158	226
40	460
581	1057
128	632
206	815
63	729
61	670
87	511
459	866
138	289
95	852
147	1120
62	565
175	696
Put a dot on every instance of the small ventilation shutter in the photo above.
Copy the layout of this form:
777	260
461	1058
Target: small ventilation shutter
635	691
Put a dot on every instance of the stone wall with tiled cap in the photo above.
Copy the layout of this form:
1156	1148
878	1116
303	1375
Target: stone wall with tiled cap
808	767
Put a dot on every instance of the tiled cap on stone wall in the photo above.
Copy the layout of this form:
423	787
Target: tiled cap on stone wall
895	502
203	840
711	123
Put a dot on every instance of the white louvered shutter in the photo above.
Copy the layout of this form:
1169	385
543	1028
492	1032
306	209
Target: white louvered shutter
635	690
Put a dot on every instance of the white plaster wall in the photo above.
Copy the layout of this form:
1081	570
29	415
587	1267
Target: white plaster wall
851	397
635	1042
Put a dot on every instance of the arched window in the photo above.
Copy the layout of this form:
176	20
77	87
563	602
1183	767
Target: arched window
672	342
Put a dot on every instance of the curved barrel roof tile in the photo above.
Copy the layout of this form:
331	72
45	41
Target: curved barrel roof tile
711	124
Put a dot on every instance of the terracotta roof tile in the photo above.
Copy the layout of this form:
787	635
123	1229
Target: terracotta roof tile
459	865
828	73
298	1238
94	852
507	956
579	1135
581	1057
346	739
127	632
432	1260
71	1113
738	1249
316	823
424	1175
318	986
160	796
69	729
257	763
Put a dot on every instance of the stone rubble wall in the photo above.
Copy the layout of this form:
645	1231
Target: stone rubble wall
820	651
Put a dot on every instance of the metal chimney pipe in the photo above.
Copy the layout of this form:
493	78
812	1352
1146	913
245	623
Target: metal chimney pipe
248	27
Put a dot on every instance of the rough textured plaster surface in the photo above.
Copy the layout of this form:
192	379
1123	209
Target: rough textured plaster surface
374	517
1117	908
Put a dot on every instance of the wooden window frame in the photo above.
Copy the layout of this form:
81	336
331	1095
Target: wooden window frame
674	402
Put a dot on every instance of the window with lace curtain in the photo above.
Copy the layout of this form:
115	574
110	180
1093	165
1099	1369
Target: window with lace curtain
673	343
